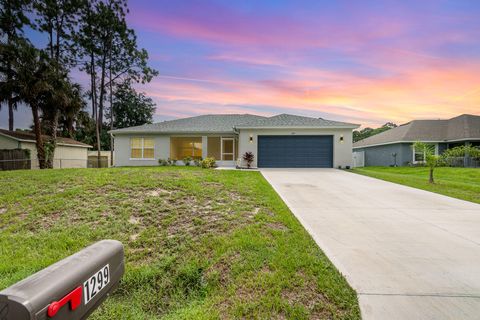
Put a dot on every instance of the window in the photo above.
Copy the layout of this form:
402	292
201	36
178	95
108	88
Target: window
181	147
142	148
420	155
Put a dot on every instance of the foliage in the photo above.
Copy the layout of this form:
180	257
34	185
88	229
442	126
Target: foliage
248	157
172	162
368	132
197	162
187	160
208	162
431	159
462	151
131	108
163	162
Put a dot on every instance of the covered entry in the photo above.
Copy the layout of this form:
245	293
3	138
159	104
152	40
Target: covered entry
295	151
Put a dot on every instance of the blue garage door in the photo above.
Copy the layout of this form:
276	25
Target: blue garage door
295	151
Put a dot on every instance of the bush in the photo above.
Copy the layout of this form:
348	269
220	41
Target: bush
197	162
163	162
172	162
187	160
208	163
248	157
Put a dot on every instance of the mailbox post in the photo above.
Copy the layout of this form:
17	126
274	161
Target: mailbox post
69	289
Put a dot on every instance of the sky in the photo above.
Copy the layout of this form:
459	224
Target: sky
366	62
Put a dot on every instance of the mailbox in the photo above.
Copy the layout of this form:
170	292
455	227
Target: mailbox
69	289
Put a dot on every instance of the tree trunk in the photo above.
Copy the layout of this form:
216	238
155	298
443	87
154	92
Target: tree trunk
100	107
111	108
38	137
430	179
10	113
53	142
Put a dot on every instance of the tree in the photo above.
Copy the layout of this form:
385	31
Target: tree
32	71
431	160
368	132
131	108
12	20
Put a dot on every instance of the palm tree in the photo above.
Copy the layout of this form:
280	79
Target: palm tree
431	160
32	85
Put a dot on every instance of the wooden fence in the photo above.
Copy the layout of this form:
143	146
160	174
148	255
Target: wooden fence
15	159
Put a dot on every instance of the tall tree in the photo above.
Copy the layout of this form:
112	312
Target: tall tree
12	20
131	108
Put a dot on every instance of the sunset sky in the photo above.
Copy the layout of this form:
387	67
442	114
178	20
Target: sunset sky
366	62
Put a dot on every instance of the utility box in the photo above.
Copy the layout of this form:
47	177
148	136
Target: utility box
69	289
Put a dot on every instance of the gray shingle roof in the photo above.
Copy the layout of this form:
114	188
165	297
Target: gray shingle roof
463	127
212	123
224	123
289	120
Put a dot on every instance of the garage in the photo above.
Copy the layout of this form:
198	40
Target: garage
295	151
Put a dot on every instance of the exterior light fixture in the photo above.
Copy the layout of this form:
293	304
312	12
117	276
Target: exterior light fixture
341	138
251	139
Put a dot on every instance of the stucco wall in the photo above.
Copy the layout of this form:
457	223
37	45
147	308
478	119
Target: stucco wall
122	150
342	152
7	143
382	155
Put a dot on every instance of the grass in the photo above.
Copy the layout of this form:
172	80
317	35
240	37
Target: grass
199	244
461	183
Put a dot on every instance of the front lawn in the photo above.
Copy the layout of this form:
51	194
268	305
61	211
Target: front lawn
200	244
461	183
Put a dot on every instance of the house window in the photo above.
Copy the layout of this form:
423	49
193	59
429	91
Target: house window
420	155
142	148
182	147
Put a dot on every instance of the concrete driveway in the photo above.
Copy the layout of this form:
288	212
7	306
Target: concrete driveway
409	254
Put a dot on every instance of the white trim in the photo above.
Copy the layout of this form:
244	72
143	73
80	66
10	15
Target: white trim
353	126
221	148
424	154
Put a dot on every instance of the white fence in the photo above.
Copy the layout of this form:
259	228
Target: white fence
358	159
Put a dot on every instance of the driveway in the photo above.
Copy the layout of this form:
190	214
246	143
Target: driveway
409	254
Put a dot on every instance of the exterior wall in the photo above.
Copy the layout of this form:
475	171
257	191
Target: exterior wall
342	152
122	150
65	156
7	143
382	155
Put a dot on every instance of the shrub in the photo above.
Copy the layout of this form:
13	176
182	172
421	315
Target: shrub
187	160
172	162
208	163
163	162
197	162
248	157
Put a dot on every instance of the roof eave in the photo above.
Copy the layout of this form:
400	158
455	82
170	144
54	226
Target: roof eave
301	127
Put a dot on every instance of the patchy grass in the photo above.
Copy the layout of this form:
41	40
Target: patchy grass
461	183
200	244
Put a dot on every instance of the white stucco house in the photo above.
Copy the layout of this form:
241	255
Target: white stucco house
68	154
281	141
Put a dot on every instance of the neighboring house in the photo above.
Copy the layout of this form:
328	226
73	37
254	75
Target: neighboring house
396	145
277	142
68	154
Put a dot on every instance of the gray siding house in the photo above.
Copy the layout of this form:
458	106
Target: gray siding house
395	146
276	142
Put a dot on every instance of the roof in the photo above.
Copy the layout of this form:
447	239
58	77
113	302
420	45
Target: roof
293	121
463	127
227	123
30	137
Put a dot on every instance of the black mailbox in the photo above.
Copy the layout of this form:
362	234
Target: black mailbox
69	289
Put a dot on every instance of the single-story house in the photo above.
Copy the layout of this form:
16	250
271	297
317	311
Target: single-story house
395	146
68	154
276	142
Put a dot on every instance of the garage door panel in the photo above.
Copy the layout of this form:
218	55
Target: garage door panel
295	151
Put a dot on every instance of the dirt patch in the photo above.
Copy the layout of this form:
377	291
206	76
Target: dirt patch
158	192
134	220
3	210
277	226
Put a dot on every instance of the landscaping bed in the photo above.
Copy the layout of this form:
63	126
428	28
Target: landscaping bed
200	244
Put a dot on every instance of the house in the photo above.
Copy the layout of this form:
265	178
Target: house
276	142
68	154
395	146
